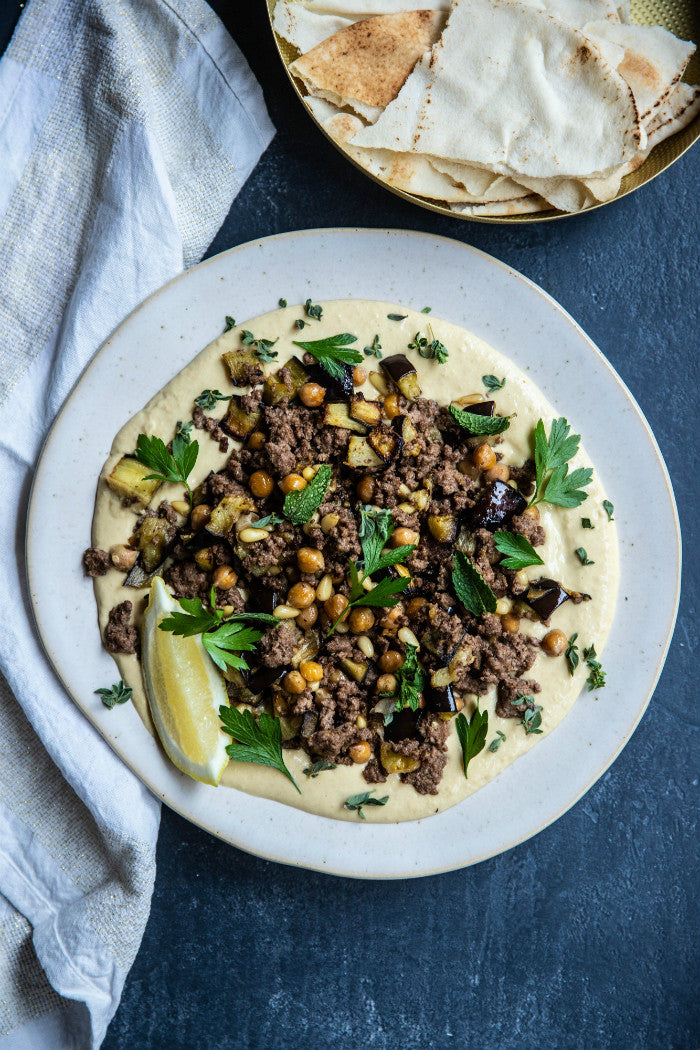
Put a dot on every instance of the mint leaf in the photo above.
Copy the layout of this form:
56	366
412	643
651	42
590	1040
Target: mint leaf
518	550
301	505
470	586
476	424
259	743
472	734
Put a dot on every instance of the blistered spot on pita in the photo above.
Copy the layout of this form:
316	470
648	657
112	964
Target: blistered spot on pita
638	68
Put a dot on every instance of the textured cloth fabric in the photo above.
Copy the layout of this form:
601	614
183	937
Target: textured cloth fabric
127	127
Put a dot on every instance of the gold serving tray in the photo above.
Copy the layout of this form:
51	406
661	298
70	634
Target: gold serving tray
681	17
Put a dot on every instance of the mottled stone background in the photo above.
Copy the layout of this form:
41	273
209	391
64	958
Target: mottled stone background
587	935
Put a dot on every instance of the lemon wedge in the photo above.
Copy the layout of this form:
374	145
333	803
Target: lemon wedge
185	691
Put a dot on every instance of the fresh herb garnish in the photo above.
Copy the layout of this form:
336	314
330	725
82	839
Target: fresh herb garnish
583	556
470	586
222	637
397	317
318	767
230	323
472	734
312	310
182	430
586	523
532	716
596	678
375	350
282	303
118	693
520	552
476	424
301	505
333	352
208	398
356	802
429	348
493	383
608	508
175	466
300	322
426	310
571	654
410	679
257	742
383	594
263	347
554	484
266	522
497	741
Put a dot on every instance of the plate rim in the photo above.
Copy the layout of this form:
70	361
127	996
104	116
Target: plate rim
149	780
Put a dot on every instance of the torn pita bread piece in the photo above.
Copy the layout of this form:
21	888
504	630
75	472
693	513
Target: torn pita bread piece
520	206
305	23
365	65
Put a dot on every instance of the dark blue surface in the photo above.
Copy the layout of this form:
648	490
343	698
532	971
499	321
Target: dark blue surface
587	935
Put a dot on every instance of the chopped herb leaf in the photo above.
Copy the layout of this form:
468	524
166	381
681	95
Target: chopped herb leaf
583	556
470	586
300	323
586	523
497	741
397	317
410	679
429	348
318	767
608	508
118	693
182	430
479	424
268	521
472	734
175	467
208	398
426	310
596	678
532	719
571	654
300	506
313	310
356	802
283	303
518	550
554	484
230	323
263	347
375	350
493	383
259	743
333	352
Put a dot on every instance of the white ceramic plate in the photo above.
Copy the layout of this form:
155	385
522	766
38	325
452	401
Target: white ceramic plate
499	305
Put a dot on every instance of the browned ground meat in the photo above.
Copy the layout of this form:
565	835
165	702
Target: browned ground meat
96	561
510	689
120	635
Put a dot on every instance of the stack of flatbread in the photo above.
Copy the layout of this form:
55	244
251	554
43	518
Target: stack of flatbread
493	107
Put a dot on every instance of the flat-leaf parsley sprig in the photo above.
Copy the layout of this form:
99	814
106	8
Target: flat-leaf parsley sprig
519	552
472	733
332	352
224	638
175	466
259	743
554	484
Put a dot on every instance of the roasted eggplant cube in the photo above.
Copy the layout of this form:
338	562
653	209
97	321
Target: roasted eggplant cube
239	362
276	389
495	507
237	421
482	408
440	699
403	425
152	537
264	678
128	480
337	389
336	414
226	514
385	442
545	596
367	412
361	456
404	723
403	374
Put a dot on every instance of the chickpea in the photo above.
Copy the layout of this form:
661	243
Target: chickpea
309	473
361	620
301	596
500	472
310	560
554	642
292	483
359	375
483	457
335	606
390	405
391	660
307	617
123	557
294	683
311	671
312	394
205	559
261	484
532	512
200	516
361	752
403	536
225	577
361	722
386	683
256	440
466	467
510	623
414	606
365	488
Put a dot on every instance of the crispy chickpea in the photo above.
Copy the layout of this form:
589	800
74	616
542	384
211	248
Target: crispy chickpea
292	483
225	577
301	596
361	752
123	557
414	606
390	405
294	683
256	440
361	620
391	661
483	457
359	375
205	559
310	560
510	623
335	606
312	394
386	683
499	472
261	484
532	512
403	536
554	642
365	488
200	516
311	671
307	617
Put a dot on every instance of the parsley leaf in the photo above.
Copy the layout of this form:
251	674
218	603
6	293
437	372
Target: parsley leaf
374	531
318	767
263	347
429	348
257	742
118	693
497	740
356	802
476	424
520	552
586	523
571	654
397	317
375	350
472	734
175	466
410	679
222	637
596	678
493	383
230	323
554	484
312	310
583	556
384	594
609	509
301	505
208	398
470	586
333	352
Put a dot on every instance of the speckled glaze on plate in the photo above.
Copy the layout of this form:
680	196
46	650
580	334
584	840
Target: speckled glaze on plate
470	289
681	17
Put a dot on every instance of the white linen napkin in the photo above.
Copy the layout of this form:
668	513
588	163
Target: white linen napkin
126	129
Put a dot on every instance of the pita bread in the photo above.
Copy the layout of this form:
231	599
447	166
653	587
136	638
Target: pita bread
302	28
519	206
365	65
476	101
483	185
